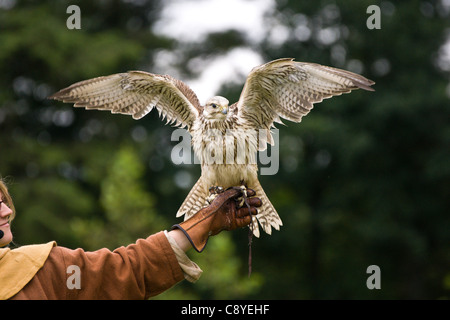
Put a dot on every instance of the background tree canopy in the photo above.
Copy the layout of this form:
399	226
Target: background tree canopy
363	180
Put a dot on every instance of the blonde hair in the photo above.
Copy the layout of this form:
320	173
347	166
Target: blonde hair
6	197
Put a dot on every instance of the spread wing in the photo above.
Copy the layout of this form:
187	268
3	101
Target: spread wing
135	93
288	89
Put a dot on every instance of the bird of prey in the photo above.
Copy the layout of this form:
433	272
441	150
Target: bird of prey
282	88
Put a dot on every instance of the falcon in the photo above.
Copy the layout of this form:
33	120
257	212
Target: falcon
282	88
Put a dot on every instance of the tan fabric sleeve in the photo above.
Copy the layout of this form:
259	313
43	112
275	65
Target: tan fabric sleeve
191	270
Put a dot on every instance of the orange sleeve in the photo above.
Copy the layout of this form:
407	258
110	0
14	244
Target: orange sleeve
138	271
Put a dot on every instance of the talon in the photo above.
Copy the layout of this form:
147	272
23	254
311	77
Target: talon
243	199
211	198
213	193
219	189
215	190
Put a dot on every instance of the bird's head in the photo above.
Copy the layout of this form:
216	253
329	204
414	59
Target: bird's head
216	108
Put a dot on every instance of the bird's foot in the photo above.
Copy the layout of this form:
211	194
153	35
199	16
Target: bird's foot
213	193
243	200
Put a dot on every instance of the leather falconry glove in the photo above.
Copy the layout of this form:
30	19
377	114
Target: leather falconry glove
222	214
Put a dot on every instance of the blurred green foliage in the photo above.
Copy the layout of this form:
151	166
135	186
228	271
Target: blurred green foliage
364	179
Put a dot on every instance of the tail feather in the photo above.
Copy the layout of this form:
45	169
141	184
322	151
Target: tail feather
195	200
267	215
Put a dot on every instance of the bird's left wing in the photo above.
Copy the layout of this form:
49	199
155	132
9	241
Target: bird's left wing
135	93
287	89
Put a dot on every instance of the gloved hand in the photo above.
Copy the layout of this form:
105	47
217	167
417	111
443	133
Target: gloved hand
221	214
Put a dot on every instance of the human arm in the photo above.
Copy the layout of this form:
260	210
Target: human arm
138	271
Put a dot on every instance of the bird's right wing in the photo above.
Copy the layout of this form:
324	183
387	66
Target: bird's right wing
135	93
288	89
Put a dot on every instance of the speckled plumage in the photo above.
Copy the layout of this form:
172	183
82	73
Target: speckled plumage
279	89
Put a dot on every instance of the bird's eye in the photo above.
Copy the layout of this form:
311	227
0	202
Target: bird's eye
214	105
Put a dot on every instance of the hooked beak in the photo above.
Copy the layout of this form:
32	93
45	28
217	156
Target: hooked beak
225	110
